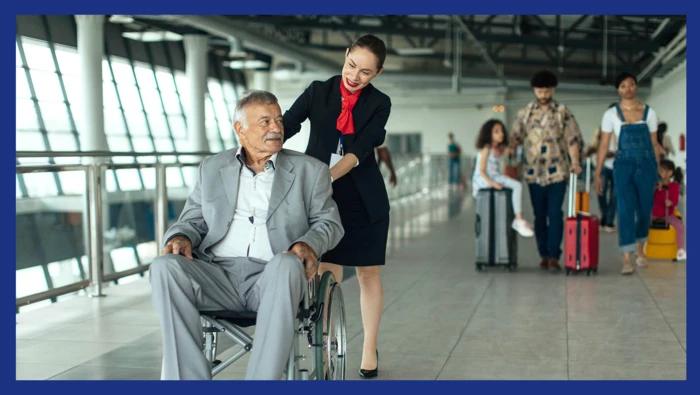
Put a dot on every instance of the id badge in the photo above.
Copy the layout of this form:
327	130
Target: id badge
335	158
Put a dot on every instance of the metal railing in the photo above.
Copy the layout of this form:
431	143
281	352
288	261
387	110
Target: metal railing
415	174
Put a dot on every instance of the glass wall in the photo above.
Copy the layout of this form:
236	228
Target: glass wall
143	111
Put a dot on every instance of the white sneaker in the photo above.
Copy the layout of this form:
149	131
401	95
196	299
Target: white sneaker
681	255
521	226
641	261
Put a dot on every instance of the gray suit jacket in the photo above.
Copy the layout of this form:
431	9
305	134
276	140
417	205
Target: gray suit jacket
301	205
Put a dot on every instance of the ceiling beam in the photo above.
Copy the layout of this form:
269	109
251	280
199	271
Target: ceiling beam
225	27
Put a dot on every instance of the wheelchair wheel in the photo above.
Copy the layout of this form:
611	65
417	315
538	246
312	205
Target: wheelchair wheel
330	355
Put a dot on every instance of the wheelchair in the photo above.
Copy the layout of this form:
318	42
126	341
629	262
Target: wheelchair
323	300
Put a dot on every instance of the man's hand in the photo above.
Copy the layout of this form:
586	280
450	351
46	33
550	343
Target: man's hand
509	152
178	245
392	179
308	257
576	168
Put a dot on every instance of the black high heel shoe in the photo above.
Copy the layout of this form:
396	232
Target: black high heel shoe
370	374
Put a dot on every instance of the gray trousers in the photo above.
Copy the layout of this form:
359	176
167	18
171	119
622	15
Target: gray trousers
183	287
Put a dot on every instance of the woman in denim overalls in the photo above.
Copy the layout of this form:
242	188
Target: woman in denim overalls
635	170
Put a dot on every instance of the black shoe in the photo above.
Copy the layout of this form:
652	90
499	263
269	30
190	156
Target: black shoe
370	374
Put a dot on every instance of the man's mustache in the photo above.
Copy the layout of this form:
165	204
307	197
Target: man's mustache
273	136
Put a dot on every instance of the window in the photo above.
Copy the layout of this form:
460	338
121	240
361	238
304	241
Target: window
144	76
55	116
46	86
215	145
18	57
178	127
62	142
22	87
151	100
129	179
114	122
30	141
229	93
137	123
129	96
40	184
120	144
142	144
109	95
163	145
26	115
123	73
165	80
171	102
159	125
38	55
68	60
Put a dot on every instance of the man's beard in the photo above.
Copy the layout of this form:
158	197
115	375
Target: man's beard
545	101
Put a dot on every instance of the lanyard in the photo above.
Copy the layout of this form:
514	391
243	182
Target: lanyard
340	146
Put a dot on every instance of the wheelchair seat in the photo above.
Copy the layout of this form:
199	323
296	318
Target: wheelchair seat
327	345
243	319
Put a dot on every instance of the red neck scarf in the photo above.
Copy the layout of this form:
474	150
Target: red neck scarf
345	123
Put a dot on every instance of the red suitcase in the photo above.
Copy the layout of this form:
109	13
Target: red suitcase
581	236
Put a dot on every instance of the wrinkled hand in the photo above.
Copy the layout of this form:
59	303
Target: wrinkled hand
598	185
178	245
308	257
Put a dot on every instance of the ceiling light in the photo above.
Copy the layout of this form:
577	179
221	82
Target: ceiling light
246	64
152	36
414	51
121	19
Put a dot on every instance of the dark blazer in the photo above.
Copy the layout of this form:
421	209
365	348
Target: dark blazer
321	104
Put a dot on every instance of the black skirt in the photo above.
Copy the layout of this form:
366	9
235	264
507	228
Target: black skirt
364	242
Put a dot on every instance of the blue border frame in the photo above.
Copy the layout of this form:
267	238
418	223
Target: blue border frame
328	7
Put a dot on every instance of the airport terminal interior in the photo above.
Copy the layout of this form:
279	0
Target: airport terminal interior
105	169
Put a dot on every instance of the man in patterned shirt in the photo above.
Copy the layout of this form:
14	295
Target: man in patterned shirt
551	138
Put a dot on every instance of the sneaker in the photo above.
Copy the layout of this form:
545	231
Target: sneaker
610	229
681	255
641	261
521	226
627	269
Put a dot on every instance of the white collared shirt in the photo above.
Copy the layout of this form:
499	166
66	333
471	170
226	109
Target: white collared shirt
247	236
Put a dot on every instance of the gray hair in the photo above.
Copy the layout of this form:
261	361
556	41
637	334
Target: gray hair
249	98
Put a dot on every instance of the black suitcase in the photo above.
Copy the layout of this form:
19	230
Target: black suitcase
496	240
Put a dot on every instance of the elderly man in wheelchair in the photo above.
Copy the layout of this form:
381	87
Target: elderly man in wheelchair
245	252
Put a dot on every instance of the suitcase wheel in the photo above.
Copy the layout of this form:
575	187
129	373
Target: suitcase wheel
479	267
568	271
588	273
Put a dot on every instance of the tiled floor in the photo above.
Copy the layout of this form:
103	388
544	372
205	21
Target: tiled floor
442	320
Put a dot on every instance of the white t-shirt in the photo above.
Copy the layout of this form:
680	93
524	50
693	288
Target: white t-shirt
612	123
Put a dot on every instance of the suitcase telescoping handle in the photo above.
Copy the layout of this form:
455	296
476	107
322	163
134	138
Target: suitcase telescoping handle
573	188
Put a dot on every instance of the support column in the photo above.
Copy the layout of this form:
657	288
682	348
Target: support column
196	49
261	80
91	52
